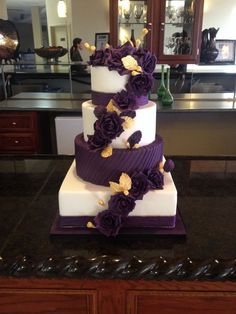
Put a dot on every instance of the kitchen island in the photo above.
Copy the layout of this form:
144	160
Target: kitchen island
144	274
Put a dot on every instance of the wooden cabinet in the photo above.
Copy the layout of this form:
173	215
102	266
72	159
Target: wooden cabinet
174	27
88	296
18	132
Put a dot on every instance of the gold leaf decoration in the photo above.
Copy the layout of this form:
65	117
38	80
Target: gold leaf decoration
129	63
128	123
124	184
112	108
107	152
143	33
138	42
101	203
107	46
134	73
136	146
90	225
161	166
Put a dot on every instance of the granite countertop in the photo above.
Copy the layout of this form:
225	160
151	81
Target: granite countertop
29	202
72	102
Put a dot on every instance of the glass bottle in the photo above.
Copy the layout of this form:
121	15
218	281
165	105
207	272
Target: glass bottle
161	89
132	38
167	98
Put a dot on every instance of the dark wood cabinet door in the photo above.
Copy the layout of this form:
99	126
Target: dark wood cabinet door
174	27
48	301
157	302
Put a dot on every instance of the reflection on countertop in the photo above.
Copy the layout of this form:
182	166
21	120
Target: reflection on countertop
72	102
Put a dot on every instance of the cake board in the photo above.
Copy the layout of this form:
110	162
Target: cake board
178	230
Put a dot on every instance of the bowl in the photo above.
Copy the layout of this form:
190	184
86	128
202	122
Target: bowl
51	52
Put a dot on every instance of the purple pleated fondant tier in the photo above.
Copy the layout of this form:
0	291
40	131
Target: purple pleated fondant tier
130	222
91	167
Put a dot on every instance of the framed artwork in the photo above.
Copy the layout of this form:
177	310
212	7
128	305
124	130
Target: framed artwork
101	39
226	51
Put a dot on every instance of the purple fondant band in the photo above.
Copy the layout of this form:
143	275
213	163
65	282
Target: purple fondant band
102	99
91	167
130	222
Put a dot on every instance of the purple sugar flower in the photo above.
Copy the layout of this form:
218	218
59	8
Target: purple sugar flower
109	125
140	84
108	222
97	141
146	60
125	100
121	204
155	178
169	165
140	186
135	138
99	57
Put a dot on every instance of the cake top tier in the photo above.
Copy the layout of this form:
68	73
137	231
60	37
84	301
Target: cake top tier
127	77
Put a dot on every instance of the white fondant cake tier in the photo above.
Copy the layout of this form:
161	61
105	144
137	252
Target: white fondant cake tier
105	81
80	198
145	121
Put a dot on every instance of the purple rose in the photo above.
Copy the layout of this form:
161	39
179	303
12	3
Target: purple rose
140	84
99	57
125	100
97	141
169	165
128	113
146	60
121	204
116	54
155	178
109	125
108	222
140	186
99	111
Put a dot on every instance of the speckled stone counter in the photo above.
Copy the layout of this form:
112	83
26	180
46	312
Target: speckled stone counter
28	204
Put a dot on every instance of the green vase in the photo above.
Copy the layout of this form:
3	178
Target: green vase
167	98
161	89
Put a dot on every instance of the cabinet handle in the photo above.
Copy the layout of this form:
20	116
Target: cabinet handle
162	24
13	123
16	142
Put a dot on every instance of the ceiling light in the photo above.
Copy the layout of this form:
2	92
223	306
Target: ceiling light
61	8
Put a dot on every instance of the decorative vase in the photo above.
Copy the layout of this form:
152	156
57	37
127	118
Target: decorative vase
161	89
167	98
209	52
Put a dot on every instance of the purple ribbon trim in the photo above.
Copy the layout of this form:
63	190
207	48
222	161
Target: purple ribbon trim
131	221
102	99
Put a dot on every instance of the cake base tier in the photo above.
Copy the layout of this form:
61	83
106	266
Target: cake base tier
78	198
178	230
92	167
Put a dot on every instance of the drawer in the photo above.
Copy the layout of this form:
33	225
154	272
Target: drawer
18	142
18	122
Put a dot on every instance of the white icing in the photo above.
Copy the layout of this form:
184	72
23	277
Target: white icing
145	121
80	198
105	81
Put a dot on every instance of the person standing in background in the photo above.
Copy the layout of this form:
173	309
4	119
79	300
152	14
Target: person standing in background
75	50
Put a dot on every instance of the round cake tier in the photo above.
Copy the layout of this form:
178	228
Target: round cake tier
105	81
91	167
145	121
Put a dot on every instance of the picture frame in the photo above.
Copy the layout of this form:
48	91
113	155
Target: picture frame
101	39
226	49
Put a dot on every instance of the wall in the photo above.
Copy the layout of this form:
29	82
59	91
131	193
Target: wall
89	17
222	14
